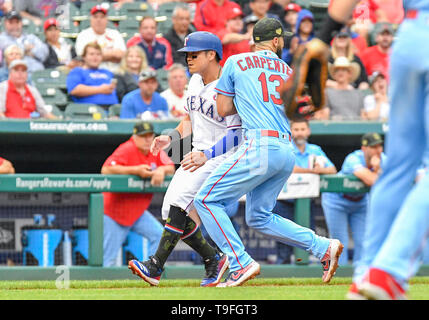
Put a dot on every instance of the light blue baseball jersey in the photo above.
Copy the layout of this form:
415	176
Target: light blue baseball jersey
353	162
302	158
416	4
271	72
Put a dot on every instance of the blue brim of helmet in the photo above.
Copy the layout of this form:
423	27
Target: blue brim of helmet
192	49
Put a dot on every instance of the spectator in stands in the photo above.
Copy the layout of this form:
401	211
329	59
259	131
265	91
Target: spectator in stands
376	105
310	158
264	8
158	50
132	64
249	23
35	51
366	14
343	102
360	43
6	166
304	33
61	53
291	16
181	27
376	58
210	15
261	9
342	46
110	40
90	83
348	210
38	10
176	92
5	7
145	103
11	53
19	99
125	212
234	42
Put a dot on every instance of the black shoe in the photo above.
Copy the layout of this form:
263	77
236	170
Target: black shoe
149	270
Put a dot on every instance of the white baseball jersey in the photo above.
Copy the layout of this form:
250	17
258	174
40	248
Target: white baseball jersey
207	128
207	125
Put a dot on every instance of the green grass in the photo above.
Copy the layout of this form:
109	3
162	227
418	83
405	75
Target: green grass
257	289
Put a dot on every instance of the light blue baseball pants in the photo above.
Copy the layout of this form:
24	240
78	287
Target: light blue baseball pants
342	214
259	169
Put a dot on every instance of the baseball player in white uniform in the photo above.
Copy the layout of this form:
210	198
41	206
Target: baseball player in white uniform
214	139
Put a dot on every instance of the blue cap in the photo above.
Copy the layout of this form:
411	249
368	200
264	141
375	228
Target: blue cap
202	41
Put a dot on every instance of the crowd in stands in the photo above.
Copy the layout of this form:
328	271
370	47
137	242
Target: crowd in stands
108	68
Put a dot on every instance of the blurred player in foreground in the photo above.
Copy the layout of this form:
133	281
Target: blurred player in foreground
398	221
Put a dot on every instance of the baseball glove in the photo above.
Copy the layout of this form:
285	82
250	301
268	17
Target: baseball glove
310	72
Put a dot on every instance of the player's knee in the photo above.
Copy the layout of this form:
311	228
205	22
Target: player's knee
257	221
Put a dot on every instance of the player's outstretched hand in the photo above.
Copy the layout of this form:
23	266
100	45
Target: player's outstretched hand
310	72
193	160
160	143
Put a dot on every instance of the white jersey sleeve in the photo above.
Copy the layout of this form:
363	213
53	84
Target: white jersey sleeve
233	121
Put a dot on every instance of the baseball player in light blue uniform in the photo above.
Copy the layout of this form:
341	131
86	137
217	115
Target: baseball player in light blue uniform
249	85
398	219
344	210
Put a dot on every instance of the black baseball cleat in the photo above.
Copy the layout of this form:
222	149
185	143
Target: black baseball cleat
148	270
215	269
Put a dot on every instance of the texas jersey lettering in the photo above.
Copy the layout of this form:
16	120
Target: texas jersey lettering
207	125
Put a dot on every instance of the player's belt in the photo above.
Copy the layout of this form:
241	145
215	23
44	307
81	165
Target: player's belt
356	198
274	133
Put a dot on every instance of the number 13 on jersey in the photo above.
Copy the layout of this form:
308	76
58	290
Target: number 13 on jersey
266	95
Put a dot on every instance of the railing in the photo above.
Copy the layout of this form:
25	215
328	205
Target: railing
95	184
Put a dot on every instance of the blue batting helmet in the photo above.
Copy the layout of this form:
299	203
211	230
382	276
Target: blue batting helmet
201	41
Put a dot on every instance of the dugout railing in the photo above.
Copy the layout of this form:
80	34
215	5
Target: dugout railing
95	184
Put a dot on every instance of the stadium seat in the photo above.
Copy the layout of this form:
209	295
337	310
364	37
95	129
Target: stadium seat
52	108
84	111
162	77
166	9
51	77
80	246
114	111
137	9
39	245
319	10
52	95
164	16
129	27
305	4
163	27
